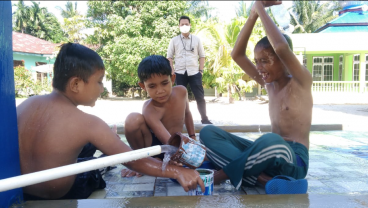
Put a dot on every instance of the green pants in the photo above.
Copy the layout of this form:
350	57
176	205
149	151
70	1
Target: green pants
243	160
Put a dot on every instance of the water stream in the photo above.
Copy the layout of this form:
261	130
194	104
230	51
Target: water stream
168	150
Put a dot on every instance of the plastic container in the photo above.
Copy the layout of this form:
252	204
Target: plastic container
207	177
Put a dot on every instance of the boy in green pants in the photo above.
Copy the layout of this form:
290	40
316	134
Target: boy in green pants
288	83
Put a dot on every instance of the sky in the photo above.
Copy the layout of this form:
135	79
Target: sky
225	10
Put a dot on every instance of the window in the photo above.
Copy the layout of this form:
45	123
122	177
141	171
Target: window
323	68
341	61
17	63
305	61
356	64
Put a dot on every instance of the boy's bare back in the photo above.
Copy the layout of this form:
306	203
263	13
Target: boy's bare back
52	132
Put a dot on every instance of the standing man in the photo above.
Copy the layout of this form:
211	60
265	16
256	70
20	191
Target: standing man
187	50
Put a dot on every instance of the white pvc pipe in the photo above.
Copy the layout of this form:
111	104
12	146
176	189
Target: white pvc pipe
67	170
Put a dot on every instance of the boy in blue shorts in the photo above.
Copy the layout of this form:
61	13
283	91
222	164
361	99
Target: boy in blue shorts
165	113
288	83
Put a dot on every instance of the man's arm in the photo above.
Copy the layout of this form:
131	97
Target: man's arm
201	64
201	55
170	55
109	143
238	53
188	118
281	47
172	65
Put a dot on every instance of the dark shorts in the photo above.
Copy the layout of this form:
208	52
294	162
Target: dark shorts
84	184
155	141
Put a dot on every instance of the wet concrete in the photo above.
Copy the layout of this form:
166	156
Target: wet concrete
304	200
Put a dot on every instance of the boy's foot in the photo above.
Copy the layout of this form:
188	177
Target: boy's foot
206	122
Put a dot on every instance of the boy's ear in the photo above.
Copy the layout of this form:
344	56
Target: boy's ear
75	84
141	84
173	77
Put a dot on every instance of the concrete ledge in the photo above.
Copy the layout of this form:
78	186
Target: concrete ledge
255	128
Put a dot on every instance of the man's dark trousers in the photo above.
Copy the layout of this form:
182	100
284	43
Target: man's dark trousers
195	83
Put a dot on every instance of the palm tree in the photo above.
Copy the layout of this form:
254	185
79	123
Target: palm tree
223	73
69	11
242	10
21	16
199	9
308	16
37	19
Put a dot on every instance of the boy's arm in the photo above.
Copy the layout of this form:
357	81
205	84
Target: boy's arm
109	143
188	118
238	53
153	120
280	45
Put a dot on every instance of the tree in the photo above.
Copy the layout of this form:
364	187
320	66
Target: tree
72	27
69	10
199	9
130	31
37	21
21	16
221	71
308	16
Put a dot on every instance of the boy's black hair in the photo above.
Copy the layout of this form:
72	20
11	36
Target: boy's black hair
265	43
153	65
75	60
184	17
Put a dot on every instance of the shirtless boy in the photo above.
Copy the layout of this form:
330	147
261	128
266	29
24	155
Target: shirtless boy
285	150
165	113
53	131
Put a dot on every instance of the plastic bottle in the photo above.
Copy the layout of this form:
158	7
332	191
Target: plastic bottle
281	15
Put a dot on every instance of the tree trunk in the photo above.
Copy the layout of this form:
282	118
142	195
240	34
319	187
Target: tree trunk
229	94
216	93
140	92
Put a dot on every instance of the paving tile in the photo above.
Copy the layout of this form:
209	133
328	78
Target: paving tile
139	187
144	179
223	190
355	186
260	190
313	183
175	190
319	165
250	190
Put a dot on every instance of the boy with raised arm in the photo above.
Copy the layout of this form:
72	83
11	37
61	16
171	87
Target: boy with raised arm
165	113
285	150
53	131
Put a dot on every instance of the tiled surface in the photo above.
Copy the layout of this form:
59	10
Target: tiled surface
338	165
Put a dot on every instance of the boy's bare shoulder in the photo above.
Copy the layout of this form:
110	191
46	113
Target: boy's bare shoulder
179	90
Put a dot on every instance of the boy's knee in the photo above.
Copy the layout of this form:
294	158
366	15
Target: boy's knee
206	132
271	139
134	120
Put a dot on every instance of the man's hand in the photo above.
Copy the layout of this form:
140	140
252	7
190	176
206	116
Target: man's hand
189	179
129	173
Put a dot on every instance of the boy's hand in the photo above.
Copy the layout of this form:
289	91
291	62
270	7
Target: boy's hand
189	178
129	173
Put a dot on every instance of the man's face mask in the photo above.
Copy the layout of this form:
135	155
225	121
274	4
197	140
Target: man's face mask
184	29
